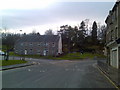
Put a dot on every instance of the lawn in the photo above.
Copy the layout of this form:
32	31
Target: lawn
69	56
11	62
31	56
76	56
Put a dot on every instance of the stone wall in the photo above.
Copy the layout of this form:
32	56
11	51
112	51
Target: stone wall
36	48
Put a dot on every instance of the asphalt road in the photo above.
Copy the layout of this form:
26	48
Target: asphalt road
56	74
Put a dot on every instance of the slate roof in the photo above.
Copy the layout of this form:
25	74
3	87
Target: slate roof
39	38
114	7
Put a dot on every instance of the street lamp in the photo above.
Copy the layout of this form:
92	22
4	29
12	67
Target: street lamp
20	31
23	58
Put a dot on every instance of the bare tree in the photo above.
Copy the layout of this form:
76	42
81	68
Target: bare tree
49	32
86	25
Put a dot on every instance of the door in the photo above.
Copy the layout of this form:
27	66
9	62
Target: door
114	58
44	52
25	52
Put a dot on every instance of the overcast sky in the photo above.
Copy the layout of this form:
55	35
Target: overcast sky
51	15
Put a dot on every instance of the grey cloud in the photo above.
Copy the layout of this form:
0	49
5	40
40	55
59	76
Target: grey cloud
57	13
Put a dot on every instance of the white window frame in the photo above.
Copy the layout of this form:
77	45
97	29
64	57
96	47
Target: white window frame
22	44
39	44
31	44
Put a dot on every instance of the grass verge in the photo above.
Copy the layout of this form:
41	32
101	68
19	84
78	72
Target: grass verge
11	62
69	56
76	56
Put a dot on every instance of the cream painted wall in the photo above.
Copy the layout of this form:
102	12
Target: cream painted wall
60	45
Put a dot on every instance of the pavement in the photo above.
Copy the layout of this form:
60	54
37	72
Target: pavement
56	74
29	63
111	73
16	66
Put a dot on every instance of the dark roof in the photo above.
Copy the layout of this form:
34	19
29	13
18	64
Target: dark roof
39	38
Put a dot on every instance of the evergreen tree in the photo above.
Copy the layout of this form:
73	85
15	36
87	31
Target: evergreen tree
81	35
94	32
82	28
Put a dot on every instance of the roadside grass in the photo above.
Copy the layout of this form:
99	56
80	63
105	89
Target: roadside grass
69	56
31	56
28	56
13	54
76	56
11	62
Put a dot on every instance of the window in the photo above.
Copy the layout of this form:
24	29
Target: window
113	17
16	51
21	44
112	35
38	52
46	49
116	15
30	50
116	33
46	44
109	37
119	56
25	51
39	44
31	44
53	44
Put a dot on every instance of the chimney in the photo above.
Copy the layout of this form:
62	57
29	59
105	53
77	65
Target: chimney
110	12
118	0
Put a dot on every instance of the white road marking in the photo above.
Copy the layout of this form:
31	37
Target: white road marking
29	70
66	69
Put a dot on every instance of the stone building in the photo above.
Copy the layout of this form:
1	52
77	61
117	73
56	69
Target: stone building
113	36
39	45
